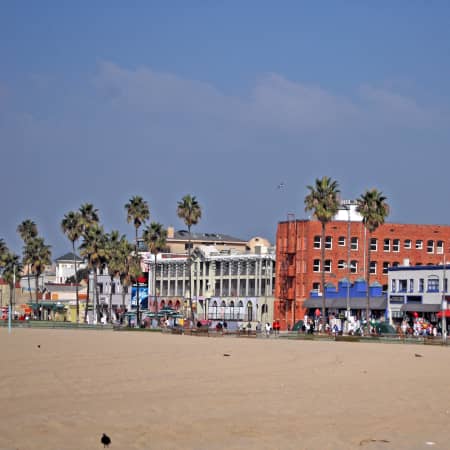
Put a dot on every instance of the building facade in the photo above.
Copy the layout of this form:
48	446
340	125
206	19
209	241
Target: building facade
226	285
417	290
299	245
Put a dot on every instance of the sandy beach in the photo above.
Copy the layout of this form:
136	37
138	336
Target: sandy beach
154	391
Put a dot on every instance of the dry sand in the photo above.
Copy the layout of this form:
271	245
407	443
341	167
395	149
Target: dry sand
153	391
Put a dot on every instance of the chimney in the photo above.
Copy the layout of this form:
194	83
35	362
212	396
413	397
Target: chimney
170	232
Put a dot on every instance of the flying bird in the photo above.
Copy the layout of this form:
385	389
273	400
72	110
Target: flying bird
281	185
105	440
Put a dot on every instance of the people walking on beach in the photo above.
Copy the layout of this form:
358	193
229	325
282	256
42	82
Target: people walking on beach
267	329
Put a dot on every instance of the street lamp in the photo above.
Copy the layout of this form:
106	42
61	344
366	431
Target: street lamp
346	206
444	306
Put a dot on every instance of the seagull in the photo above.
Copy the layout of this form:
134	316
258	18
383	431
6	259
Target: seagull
281	185
418	355
105	440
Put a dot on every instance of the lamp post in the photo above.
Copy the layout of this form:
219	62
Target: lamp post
444	306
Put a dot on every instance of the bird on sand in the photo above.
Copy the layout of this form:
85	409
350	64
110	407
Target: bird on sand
105	440
418	355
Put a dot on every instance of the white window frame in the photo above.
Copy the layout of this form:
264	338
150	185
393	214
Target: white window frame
341	241
396	245
354	266
407	244
328	242
419	244
317	244
354	243
430	248
327	265
373	267
440	247
386	245
341	264
373	245
316	265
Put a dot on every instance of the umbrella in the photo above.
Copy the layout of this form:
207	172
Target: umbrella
317	312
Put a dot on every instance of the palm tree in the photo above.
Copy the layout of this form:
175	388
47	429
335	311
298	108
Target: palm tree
89	218
12	268
38	255
116	255
94	248
3	251
72	228
27	230
155	237
191	212
323	201
137	212
373	208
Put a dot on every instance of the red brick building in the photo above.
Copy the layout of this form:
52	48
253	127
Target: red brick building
298	256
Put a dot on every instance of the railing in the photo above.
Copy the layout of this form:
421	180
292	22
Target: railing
54	324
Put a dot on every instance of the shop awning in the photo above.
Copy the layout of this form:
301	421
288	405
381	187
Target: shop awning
420	307
341	303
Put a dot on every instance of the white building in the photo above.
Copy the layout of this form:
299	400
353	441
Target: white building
417	289
65	267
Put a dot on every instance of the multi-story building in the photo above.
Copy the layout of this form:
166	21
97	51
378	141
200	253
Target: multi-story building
299	245
226	285
417	290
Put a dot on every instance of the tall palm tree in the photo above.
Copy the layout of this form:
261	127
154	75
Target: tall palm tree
3	251
323	201
12	268
137	212
94	248
72	227
89	218
27	230
115	260
39	255
374	210
191	212
155	238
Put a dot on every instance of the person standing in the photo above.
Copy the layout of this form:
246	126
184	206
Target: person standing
267	329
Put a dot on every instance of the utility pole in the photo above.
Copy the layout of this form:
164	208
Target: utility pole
444	306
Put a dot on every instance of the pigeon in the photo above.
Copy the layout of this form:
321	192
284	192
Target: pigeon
418	355
105	440
226	354
39	346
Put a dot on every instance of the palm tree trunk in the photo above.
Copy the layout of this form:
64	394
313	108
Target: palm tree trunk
36	287
29	283
76	282
87	297
368	282
97	306
138	312
324	295
190	276
154	286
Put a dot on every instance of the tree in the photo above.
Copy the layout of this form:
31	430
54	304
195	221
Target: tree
12	268
374	210
94	248
71	226
137	212
3	251
89	218
191	212
39	255
27	230
155	238
323	201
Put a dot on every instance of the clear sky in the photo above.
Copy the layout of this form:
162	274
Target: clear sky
225	100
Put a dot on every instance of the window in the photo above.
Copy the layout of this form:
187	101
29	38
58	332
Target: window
440	247
316	287
407	244
387	245
396	245
445	284
421	284
373	244
419	244
341	264
411	285
430	246
354	243
353	266
385	267
327	265
341	241
395	264
373	267
433	284
402	285
393	285
316	265
317	241
328	242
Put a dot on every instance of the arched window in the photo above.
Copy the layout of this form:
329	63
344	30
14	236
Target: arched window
433	284
249	311
214	311
264	309
240	304
223	304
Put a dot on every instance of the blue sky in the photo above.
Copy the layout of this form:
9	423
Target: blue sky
101	100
